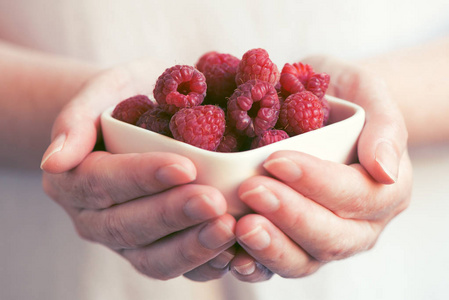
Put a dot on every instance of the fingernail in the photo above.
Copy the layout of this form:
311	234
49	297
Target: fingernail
55	146
174	174
261	199
387	158
246	269
284	169
256	239
215	234
201	207
222	260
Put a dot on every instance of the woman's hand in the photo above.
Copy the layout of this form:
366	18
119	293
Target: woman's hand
313	211
143	206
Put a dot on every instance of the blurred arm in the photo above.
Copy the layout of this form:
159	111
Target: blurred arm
33	88
418	80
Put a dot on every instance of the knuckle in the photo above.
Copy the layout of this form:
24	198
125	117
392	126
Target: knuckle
292	224
83	227
152	268
116	233
94	195
167	220
354	208
335	251
47	186
83	233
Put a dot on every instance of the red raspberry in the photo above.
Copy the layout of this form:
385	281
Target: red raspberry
130	109
256	64
253	108
318	84
201	126
269	137
219	70
294	78
157	120
180	86
203	59
231	142
301	112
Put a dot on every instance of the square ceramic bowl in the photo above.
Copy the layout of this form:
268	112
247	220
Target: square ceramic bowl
225	171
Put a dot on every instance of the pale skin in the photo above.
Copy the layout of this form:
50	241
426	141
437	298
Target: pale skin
143	207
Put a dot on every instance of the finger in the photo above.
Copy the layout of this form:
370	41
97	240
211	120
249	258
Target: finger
351	194
104	179
181	252
272	248
383	140
316	229
143	221
213	269
245	268
382	143
77	128
74	136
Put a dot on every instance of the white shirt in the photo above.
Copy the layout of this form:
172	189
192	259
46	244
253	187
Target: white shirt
43	258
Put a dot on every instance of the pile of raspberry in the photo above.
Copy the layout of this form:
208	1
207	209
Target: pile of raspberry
227	104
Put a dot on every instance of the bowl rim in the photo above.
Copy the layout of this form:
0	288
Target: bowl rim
356	111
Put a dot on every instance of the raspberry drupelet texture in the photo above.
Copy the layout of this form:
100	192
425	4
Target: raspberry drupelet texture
318	84
220	70
203	59
253	108
231	142
301	112
156	119
178	87
130	109
201	126
256	64
294	78
269	137
300	77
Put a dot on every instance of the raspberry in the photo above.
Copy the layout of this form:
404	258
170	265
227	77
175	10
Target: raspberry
180	86
269	137
256	64
231	142
301	112
130	109
318	84
253	108
219	70
201	126
156	119
203	59
294	78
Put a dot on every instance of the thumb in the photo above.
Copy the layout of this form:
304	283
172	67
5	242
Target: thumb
74	135
383	140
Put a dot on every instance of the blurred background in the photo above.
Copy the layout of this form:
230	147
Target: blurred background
41	256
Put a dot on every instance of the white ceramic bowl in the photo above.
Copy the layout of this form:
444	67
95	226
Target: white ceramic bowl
225	171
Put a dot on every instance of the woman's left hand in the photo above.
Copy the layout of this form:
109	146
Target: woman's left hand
313	211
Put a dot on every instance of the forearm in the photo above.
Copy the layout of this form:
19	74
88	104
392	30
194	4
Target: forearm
418	79
33	88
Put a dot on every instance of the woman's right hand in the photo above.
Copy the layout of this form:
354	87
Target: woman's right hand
143	206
